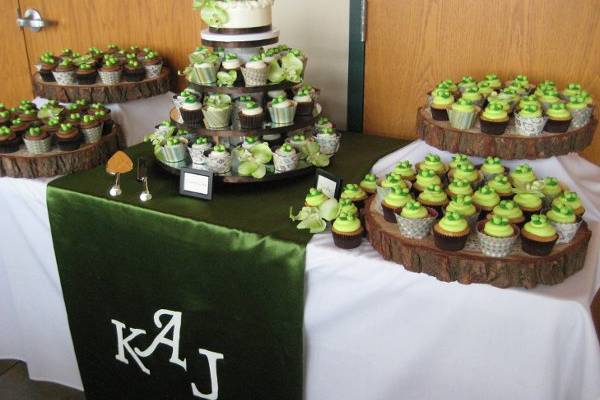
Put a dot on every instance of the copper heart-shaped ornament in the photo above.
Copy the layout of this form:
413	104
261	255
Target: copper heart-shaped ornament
119	163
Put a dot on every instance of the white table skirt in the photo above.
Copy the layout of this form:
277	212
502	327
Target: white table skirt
373	330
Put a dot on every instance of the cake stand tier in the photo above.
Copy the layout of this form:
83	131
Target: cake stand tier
300	122
470	265
121	92
238	41
508	146
22	164
242	89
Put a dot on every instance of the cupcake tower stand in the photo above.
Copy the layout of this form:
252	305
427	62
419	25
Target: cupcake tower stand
245	43
121	92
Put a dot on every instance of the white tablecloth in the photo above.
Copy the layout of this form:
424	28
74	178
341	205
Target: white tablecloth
373	330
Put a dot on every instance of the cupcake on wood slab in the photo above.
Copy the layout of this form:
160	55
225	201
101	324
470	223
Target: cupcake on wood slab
348	207
19	127
459	187
472	93
458	159
153	63
347	231
441	102
37	141
564	220
493	81
462	114
369	184
64	72
48	63
111	71
486	198
425	178
451	232
433	162
510	210
466	82
385	185
522	175
9	142
74	119
559	118
581	113
572	90
572	200
86	74
134	71
529	121
551	189
491	167
394	201
91	128
434	197
538	236
530	100
467	172
405	170
68	137
485	90
464	206
494	119
52	125
549	97
496	236
415	220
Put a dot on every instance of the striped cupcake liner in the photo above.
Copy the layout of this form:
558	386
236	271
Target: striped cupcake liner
174	154
566	232
581	117
110	77
285	163
461	120
529	126
65	78
283	116
255	77
38	146
205	74
217	119
92	135
153	71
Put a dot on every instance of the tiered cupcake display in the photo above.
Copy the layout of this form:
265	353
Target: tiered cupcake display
247	114
55	138
114	74
477	223
514	120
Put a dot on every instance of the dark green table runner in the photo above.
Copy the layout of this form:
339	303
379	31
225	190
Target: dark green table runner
226	275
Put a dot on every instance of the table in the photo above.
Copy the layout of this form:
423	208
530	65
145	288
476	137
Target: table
372	329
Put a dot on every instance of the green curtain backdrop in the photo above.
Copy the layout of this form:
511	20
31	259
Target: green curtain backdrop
228	275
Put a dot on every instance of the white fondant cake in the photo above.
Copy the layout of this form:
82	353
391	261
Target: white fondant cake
247	13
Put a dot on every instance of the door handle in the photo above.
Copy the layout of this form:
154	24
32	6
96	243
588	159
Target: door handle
32	19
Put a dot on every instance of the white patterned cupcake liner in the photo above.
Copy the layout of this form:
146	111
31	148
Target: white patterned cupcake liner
495	247
529	126
197	153
153	71
415	228
38	146
92	135
217	118
285	163
329	144
581	117
283	116
110	77
461	120
64	78
174	154
219	163
566	232
254	76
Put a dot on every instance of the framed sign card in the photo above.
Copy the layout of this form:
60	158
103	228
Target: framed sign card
329	184
196	183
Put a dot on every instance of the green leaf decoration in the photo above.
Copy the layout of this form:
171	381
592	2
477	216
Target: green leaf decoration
275	72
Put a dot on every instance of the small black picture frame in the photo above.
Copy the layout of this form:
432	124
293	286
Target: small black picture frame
196	183
328	183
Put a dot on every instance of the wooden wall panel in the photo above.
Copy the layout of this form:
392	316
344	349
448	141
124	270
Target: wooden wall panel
171	27
14	70
413	44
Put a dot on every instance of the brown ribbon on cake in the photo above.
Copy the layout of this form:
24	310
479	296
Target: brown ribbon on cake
239	31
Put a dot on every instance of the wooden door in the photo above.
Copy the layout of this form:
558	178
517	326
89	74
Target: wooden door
413	44
14	67
170	27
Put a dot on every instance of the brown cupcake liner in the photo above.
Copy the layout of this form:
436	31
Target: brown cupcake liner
305	108
449	242
493	128
389	213
347	241
439	114
193	117
251	121
554	126
536	248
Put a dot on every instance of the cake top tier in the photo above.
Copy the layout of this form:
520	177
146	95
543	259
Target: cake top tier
224	15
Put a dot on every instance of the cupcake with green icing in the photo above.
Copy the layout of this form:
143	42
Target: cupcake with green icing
572	89
494	119
581	113
459	187
572	200
559	118
466	172
538	236
451	232
348	207
353	192
486	198
549	97
551	189
501	184
406	170
529	121
509	96
484	89
425	178
394	201
441	102
564	220
521	81
347	231
472	93
496	236
493	81
462	114
415	220
522	175
491	167
529	200
434	197
458	159
464	206
433	162
530	100
510	210
466	83
385	184
369	184
315	198
587	98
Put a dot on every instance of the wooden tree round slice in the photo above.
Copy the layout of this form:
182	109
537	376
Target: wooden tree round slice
508	146
100	93
22	164
470	265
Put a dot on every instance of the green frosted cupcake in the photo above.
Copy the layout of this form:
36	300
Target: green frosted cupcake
529	121
441	102
528	101
572	89
458	159
347	231
491	167
551	190
415	221
405	170
369	184
529	202
581	113
451	232
394	201
565	222
348	207
353	192
464	206
459	187
496	236
494	119
425	178
434	197
466	83
462	114
433	162
559	118
472	93
538	236
522	175
493	81
486	198
484	89
572	200
549	97
501	184
466	172
315	198
510	210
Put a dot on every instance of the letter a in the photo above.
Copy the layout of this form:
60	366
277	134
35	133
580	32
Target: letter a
214	381
123	345
174	324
